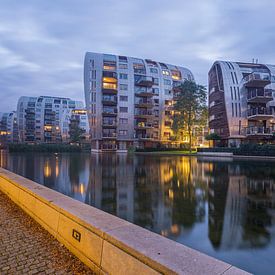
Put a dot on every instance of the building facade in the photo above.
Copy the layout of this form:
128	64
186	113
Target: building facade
8	128
242	102
129	100
45	119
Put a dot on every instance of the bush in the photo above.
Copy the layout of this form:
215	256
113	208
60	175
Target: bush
13	148
256	150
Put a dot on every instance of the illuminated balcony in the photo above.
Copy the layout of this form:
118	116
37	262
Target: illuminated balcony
109	77
144	125
259	113
259	95
257	80
142	80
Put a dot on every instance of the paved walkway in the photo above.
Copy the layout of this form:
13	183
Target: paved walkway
26	248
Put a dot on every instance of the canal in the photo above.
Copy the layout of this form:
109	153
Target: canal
223	208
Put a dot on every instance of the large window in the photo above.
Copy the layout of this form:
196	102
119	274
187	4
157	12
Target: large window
123	98
123	87
167	82
154	70
123	76
123	120
123	109
123	66
109	85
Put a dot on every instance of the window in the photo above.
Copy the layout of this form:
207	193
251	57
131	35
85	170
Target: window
231	93
240	113
123	121
123	109
156	91
154	70
156	101
123	132
167	82
167	92
123	76
238	93
165	72
123	66
155	81
167	123
232	78
93	74
123	98
232	109
235	93
236	109
112	86
123	87
92	86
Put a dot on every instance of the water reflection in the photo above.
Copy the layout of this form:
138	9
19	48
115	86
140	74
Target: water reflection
223	208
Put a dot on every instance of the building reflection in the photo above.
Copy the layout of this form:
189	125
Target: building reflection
170	196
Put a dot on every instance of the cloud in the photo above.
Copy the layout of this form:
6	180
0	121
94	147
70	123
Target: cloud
42	43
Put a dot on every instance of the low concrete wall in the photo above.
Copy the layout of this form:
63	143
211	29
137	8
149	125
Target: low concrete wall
215	154
105	243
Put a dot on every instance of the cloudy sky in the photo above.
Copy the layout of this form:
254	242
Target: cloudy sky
43	42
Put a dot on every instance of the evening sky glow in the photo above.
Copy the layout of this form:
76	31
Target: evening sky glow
43	43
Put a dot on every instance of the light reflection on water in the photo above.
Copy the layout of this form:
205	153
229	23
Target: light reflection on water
223	208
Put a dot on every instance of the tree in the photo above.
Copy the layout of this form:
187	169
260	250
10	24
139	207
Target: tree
75	132
190	108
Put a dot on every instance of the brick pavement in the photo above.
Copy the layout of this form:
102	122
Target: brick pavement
26	248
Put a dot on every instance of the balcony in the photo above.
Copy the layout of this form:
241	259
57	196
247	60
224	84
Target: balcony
259	113
144	125
257	80
109	135
109	124
109	77
143	114
109	100
259	95
259	131
144	92
109	112
144	137
141	80
144	103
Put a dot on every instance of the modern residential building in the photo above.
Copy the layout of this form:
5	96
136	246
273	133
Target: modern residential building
129	100
45	119
8	128
242	101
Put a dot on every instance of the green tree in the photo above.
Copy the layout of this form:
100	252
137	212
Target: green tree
190	108
75	132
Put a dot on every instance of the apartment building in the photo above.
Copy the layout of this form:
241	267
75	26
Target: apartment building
45	119
8	128
242	102
129	100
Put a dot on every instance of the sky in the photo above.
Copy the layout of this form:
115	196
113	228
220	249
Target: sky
43	42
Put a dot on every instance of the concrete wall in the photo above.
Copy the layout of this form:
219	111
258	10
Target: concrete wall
105	243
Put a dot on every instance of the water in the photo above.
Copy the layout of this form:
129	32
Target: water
223	208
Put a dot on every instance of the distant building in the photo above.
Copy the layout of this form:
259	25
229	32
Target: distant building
242	101
45	119
8	128
129	100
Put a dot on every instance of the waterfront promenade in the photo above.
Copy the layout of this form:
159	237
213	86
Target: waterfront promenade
27	248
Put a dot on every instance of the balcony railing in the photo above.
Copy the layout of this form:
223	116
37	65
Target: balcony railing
257	79
142	80
107	100
109	112
259	95
109	135
144	125
259	130
144	136
143	113
109	123
141	102
259	112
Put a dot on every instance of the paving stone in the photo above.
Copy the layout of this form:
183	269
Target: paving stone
26	248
